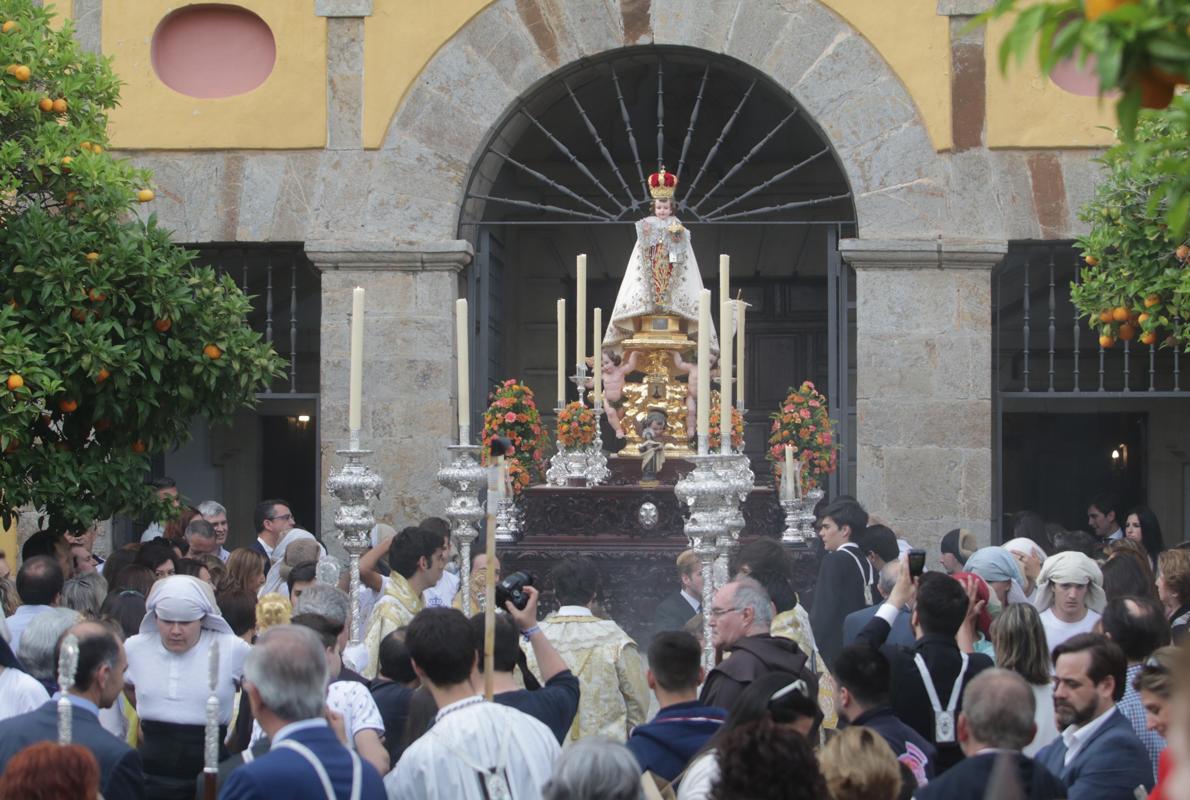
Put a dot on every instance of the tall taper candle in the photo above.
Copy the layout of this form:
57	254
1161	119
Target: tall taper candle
704	369
561	352
724	279
356	382
787	473
726	324
740	310
463	376
580	329
597	366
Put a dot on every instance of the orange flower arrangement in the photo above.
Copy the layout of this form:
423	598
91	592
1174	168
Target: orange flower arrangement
576	425
803	421
737	427
512	414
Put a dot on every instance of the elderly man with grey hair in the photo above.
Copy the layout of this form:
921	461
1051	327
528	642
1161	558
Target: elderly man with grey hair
200	535
741	615
996	723
85	593
215	514
595	768
334	604
40	639
284	678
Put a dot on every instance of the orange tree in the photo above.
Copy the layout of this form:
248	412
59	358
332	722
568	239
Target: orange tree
110	340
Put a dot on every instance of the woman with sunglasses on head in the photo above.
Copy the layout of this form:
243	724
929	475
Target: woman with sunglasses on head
1155	683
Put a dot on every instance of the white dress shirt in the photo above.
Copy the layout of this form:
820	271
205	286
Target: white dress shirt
20	620
1075	736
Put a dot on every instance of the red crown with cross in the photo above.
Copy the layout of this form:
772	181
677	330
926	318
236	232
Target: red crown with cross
662	184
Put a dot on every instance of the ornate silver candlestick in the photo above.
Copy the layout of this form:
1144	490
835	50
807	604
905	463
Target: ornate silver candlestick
355	485
597	471
806	514
463	477
210	767
579	379
508	523
792	536
68	662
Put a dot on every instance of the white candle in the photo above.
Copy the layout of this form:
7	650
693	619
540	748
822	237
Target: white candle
725	328
356	382
704	369
580	330
561	352
463	366
787	473
724	279
597	365
740	310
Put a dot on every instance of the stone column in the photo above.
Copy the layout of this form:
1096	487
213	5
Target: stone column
408	396
344	70
923	384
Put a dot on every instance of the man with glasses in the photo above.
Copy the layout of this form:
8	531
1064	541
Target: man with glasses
216	515
273	519
741	617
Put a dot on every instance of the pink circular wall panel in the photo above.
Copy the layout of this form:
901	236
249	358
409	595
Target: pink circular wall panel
213	51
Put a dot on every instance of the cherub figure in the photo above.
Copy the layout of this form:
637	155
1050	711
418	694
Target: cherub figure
691	370
615	374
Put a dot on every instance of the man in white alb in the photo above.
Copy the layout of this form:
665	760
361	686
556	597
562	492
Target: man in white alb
475	749
1069	596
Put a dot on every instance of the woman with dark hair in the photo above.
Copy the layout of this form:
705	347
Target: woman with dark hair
195	569
117	561
1141	525
125	608
778	697
1123	577
158	556
763	760
136	577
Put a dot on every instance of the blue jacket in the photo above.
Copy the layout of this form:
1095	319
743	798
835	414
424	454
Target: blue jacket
120	774
1111	765
284	773
666	744
853	623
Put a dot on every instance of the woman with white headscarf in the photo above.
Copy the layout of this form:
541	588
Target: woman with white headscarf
1069	596
274	583
168	667
1029	558
999	570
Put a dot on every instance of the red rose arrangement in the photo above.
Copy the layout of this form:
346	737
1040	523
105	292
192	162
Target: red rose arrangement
576	425
512	414
804	422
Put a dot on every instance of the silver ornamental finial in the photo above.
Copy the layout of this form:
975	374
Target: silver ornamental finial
68	664
211	731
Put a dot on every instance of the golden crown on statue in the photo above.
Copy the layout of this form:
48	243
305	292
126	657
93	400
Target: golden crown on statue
662	184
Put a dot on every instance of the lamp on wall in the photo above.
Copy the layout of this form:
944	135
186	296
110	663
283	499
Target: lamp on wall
1119	458
301	422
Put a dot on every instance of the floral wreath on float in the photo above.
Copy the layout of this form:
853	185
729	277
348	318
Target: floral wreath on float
737	428
576	426
804	422
512	414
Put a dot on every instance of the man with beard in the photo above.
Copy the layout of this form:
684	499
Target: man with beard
1097	755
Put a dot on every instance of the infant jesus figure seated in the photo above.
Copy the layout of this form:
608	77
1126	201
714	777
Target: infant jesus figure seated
652	447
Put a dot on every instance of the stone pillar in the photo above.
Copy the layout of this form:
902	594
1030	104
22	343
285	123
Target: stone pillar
408	396
344	70
923	384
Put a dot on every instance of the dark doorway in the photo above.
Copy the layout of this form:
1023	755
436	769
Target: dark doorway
289	449
1054	463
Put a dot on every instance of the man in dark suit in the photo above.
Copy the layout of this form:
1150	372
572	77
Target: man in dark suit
845	570
99	680
273	519
996	723
676	609
1098	754
285	677
901	632
930	708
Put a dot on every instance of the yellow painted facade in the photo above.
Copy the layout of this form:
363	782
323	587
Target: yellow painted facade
1024	110
287	111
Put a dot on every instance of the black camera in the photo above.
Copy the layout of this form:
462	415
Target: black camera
512	589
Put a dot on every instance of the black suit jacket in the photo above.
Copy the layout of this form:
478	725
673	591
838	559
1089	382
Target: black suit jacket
120	773
672	613
972	778
846	578
258	547
909	699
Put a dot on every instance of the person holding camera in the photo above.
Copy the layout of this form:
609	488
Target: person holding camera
555	703
615	697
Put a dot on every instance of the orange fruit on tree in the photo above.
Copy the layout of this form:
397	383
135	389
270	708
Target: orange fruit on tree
1092	261
212	352
1094	9
1127	332
1152	300
78	314
14	382
9	26
1148	337
22	73
1119	314
162	325
1106	341
1143	318
1105	315
145	195
45	104
60	106
1183	252
138	446
92	256
96	296
102	375
1154	92
68	406
67	161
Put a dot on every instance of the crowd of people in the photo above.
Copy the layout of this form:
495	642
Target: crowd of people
1051	666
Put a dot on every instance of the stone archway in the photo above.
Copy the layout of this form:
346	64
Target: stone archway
504	51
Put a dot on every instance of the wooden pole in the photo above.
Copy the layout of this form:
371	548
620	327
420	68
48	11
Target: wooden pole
497	481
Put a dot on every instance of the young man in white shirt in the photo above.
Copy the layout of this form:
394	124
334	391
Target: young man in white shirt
1070	596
